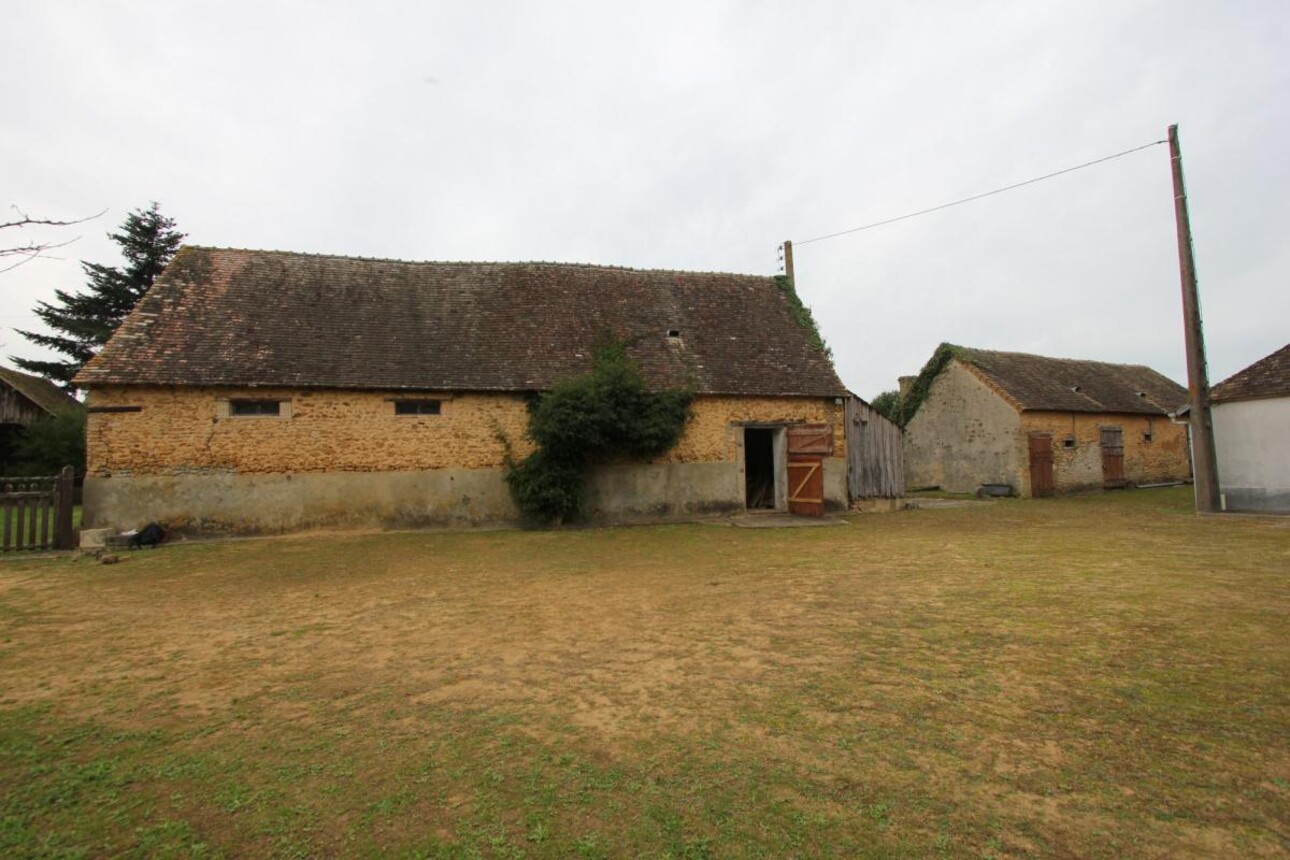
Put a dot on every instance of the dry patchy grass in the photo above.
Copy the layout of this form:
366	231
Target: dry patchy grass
1097	676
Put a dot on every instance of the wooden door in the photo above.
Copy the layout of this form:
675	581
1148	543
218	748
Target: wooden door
1112	458
810	439
808	445
1041	465
806	485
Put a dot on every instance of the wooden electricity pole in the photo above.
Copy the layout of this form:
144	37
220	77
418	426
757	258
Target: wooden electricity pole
788	262
1204	464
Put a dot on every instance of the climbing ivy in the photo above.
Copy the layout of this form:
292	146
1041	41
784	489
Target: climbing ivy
923	383
604	414
802	314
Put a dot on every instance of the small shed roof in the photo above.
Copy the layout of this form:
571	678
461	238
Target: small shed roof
44	394
1267	377
229	317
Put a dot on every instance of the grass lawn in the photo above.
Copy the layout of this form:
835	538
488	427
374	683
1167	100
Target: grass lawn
1104	676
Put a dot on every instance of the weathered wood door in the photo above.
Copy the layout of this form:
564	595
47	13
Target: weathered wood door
1112	458
808	445
806	485
1041	465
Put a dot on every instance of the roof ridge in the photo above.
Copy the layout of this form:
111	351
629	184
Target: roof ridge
548	263
1056	358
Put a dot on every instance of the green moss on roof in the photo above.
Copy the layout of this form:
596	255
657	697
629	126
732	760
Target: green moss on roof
802	314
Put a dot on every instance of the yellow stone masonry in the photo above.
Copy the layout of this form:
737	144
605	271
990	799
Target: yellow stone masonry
1164	458
178	430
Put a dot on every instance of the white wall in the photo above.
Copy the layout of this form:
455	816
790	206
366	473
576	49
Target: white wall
1252	441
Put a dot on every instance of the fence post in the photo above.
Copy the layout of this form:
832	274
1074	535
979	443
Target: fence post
65	539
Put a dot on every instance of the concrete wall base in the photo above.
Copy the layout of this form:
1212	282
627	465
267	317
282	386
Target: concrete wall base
879	506
1255	500
225	503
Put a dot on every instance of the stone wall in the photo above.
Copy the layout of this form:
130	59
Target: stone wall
346	458
178	431
1155	449
963	435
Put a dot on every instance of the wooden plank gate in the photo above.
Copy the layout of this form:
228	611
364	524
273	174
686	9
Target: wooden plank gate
808	445
875	455
36	513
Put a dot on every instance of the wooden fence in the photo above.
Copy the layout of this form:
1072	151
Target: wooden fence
875	459
36	513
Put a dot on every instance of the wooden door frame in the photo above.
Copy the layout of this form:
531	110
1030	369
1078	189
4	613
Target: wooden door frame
779	451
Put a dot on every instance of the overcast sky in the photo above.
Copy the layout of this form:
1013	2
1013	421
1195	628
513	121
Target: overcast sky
694	136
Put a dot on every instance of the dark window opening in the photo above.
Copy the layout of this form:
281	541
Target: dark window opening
1146	437
416	407
759	468
1068	442
674	332
254	407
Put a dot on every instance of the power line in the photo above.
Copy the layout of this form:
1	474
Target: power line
979	196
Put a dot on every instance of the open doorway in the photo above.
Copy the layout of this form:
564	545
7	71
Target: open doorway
759	468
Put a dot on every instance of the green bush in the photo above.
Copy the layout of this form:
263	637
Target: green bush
602	415
49	444
887	404
546	487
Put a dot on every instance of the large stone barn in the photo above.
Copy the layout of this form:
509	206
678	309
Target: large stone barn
1040	425
266	391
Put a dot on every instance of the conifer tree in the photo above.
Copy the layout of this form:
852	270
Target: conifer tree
84	321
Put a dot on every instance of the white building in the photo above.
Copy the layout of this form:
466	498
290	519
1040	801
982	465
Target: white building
1251	414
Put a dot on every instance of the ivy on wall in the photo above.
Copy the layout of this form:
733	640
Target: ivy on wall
604	414
922	385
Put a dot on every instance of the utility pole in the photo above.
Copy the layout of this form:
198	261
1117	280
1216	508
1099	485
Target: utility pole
1202	437
788	262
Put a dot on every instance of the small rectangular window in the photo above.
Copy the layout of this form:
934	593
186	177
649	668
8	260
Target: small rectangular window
1146	437
416	407
248	408
1068	442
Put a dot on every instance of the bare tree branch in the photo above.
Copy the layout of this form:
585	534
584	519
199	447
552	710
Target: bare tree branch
32	250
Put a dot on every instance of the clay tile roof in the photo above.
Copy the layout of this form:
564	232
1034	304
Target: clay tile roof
1039	383
268	318
1267	377
40	391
